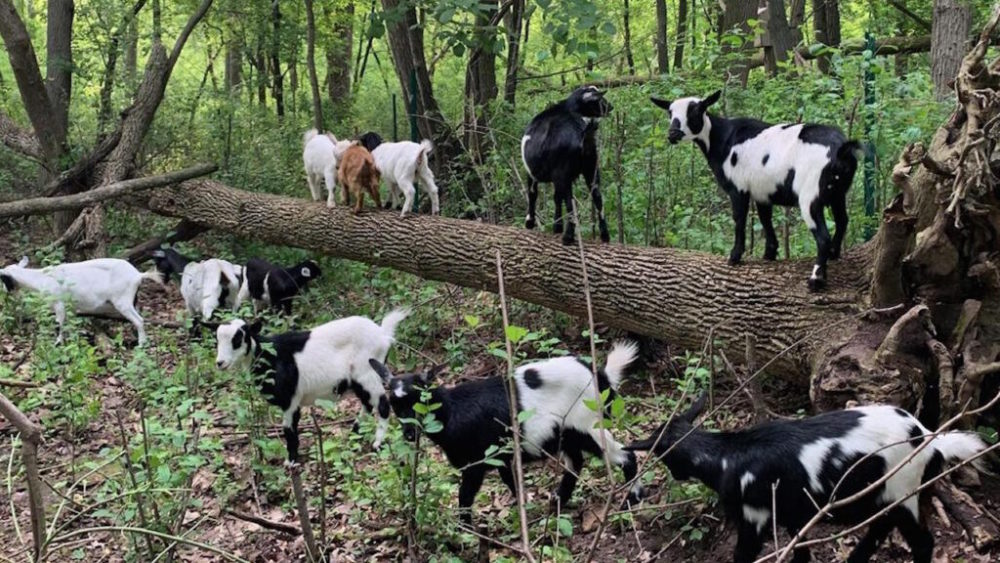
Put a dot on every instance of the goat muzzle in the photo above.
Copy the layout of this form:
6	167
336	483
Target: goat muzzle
675	136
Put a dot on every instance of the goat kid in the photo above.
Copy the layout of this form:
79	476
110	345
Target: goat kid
811	462
320	155
205	285
105	286
475	417
806	165
559	145
357	174
296	368
267	284
401	164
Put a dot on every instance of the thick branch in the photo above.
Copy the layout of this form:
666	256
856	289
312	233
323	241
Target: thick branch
19	139
676	295
41	205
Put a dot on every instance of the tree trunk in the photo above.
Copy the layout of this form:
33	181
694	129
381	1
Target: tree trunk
682	15
629	58
778	37
735	15
513	21
662	62
131	58
480	82
949	35
406	41
826	22
338	58
234	64
317	105
277	80
59	62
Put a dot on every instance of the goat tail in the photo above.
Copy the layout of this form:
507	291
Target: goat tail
427	145
155	275
392	320
958	446
850	151
621	356
309	135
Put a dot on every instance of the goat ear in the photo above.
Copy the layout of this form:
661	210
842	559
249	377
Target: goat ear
647	444
255	326
23	262
431	374
380	369
210	326
695	409
665	104
714	97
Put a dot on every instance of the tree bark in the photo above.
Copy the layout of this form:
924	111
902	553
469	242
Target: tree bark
59	62
513	21
682	15
778	37
629	58
34	94
277	80
662	62
317	105
735	16
826	22
338	58
126	27
480	79
131	62
949	35
406	41
234	63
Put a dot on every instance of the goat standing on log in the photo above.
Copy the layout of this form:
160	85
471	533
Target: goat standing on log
475	419
401	164
812	462
560	145
805	165
357	174
320	154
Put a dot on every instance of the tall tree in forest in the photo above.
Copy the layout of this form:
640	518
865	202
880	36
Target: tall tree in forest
662	62
736	14
317	106
627	26
406	41
949	42
338	54
234	58
682	15
513	22
59	61
778	38
481	75
826	23
277	79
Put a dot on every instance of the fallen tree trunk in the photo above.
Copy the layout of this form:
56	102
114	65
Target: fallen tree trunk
676	295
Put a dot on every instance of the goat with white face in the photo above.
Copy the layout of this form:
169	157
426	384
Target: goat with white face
810	462
322	363
475	415
559	145
800	165
105	286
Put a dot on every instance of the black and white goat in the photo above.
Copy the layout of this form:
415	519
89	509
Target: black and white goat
560	145
475	416
267	284
806	460
806	165
205	285
296	368
105	286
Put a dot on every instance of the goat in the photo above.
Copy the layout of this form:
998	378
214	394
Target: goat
320	154
296	368
205	285
401	164
104	286
806	165
475	417
357	174
560	145
810	462
268	284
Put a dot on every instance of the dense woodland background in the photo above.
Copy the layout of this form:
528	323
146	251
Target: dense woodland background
156	439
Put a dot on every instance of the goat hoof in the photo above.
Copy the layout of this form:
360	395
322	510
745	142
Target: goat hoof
735	260
568	240
771	255
529	223
816	284
605	237
557	228
293	467
835	254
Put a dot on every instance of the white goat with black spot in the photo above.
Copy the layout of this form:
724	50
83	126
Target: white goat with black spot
811	462
296	368
805	165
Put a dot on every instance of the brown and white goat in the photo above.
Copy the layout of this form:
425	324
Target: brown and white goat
357	174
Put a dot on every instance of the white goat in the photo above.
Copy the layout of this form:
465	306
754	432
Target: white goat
320	154
104	286
401	164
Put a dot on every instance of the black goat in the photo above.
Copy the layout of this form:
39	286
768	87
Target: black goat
271	285
558	146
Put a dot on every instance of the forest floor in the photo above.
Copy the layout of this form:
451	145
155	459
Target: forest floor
667	527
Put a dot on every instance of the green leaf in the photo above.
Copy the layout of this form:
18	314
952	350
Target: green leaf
494	462
618	407
420	408
565	526
515	333
525	415
609	28
472	320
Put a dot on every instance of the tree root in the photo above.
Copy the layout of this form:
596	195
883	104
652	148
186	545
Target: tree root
981	530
